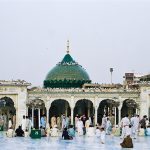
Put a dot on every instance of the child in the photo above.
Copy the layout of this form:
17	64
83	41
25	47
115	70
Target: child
97	132
26	133
102	135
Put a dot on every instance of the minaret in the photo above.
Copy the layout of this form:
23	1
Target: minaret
67	46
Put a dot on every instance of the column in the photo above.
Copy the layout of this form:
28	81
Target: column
95	115
119	114
39	117
26	110
72	116
66	109
32	117
115	116
17	121
47	116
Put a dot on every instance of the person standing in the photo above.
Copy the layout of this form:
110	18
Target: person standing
58	122
9	123
104	122
143	123
87	124
80	127
108	127
76	120
43	122
125	125
67	122
27	122
23	123
135	125
53	121
102	135
63	122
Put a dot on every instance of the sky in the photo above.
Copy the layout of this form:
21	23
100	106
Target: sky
103	34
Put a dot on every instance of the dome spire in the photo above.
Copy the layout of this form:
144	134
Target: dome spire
68	48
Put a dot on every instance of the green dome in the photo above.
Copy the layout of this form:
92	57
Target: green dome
67	73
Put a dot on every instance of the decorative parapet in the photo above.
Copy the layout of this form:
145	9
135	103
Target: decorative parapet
83	93
14	83
81	90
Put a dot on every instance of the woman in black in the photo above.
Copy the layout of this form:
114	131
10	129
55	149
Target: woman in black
65	135
19	132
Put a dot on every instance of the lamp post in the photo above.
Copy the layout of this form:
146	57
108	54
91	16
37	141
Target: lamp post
111	71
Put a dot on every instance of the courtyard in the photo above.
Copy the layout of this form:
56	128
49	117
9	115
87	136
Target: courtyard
78	143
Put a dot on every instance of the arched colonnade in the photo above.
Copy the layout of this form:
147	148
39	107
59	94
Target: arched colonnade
71	107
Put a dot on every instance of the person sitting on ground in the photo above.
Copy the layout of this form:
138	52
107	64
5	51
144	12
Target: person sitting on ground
43	133
91	131
65	135
54	131
127	142
71	131
10	132
19	132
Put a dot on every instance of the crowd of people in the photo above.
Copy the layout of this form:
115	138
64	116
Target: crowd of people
128	129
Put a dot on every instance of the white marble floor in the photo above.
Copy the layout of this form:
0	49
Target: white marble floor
78	143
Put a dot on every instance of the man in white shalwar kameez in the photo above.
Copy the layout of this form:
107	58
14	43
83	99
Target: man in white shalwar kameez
135	125
23	123
27	122
9	123
104	122
80	127
125	126
63	122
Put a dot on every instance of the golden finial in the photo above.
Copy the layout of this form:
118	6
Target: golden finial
67	46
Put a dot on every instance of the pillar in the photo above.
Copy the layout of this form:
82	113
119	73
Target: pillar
17	120
119	114
72	115
27	111
66	109
95	115
39	116
47	116
89	109
32	117
115	116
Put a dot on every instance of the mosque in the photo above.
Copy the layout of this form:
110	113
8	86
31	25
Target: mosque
68	89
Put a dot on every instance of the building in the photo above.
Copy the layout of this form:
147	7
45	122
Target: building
67	89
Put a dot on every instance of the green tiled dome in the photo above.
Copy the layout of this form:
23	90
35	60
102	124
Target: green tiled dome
67	73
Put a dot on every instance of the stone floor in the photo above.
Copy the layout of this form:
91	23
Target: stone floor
78	143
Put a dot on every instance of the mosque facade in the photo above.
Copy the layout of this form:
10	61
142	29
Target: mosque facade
68	89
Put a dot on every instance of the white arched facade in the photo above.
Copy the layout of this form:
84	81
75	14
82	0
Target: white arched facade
17	91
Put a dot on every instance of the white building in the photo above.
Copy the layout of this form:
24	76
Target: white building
68	90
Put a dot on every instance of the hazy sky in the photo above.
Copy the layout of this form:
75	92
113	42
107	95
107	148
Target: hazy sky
102	34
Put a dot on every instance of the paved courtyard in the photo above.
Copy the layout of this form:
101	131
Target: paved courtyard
78	143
